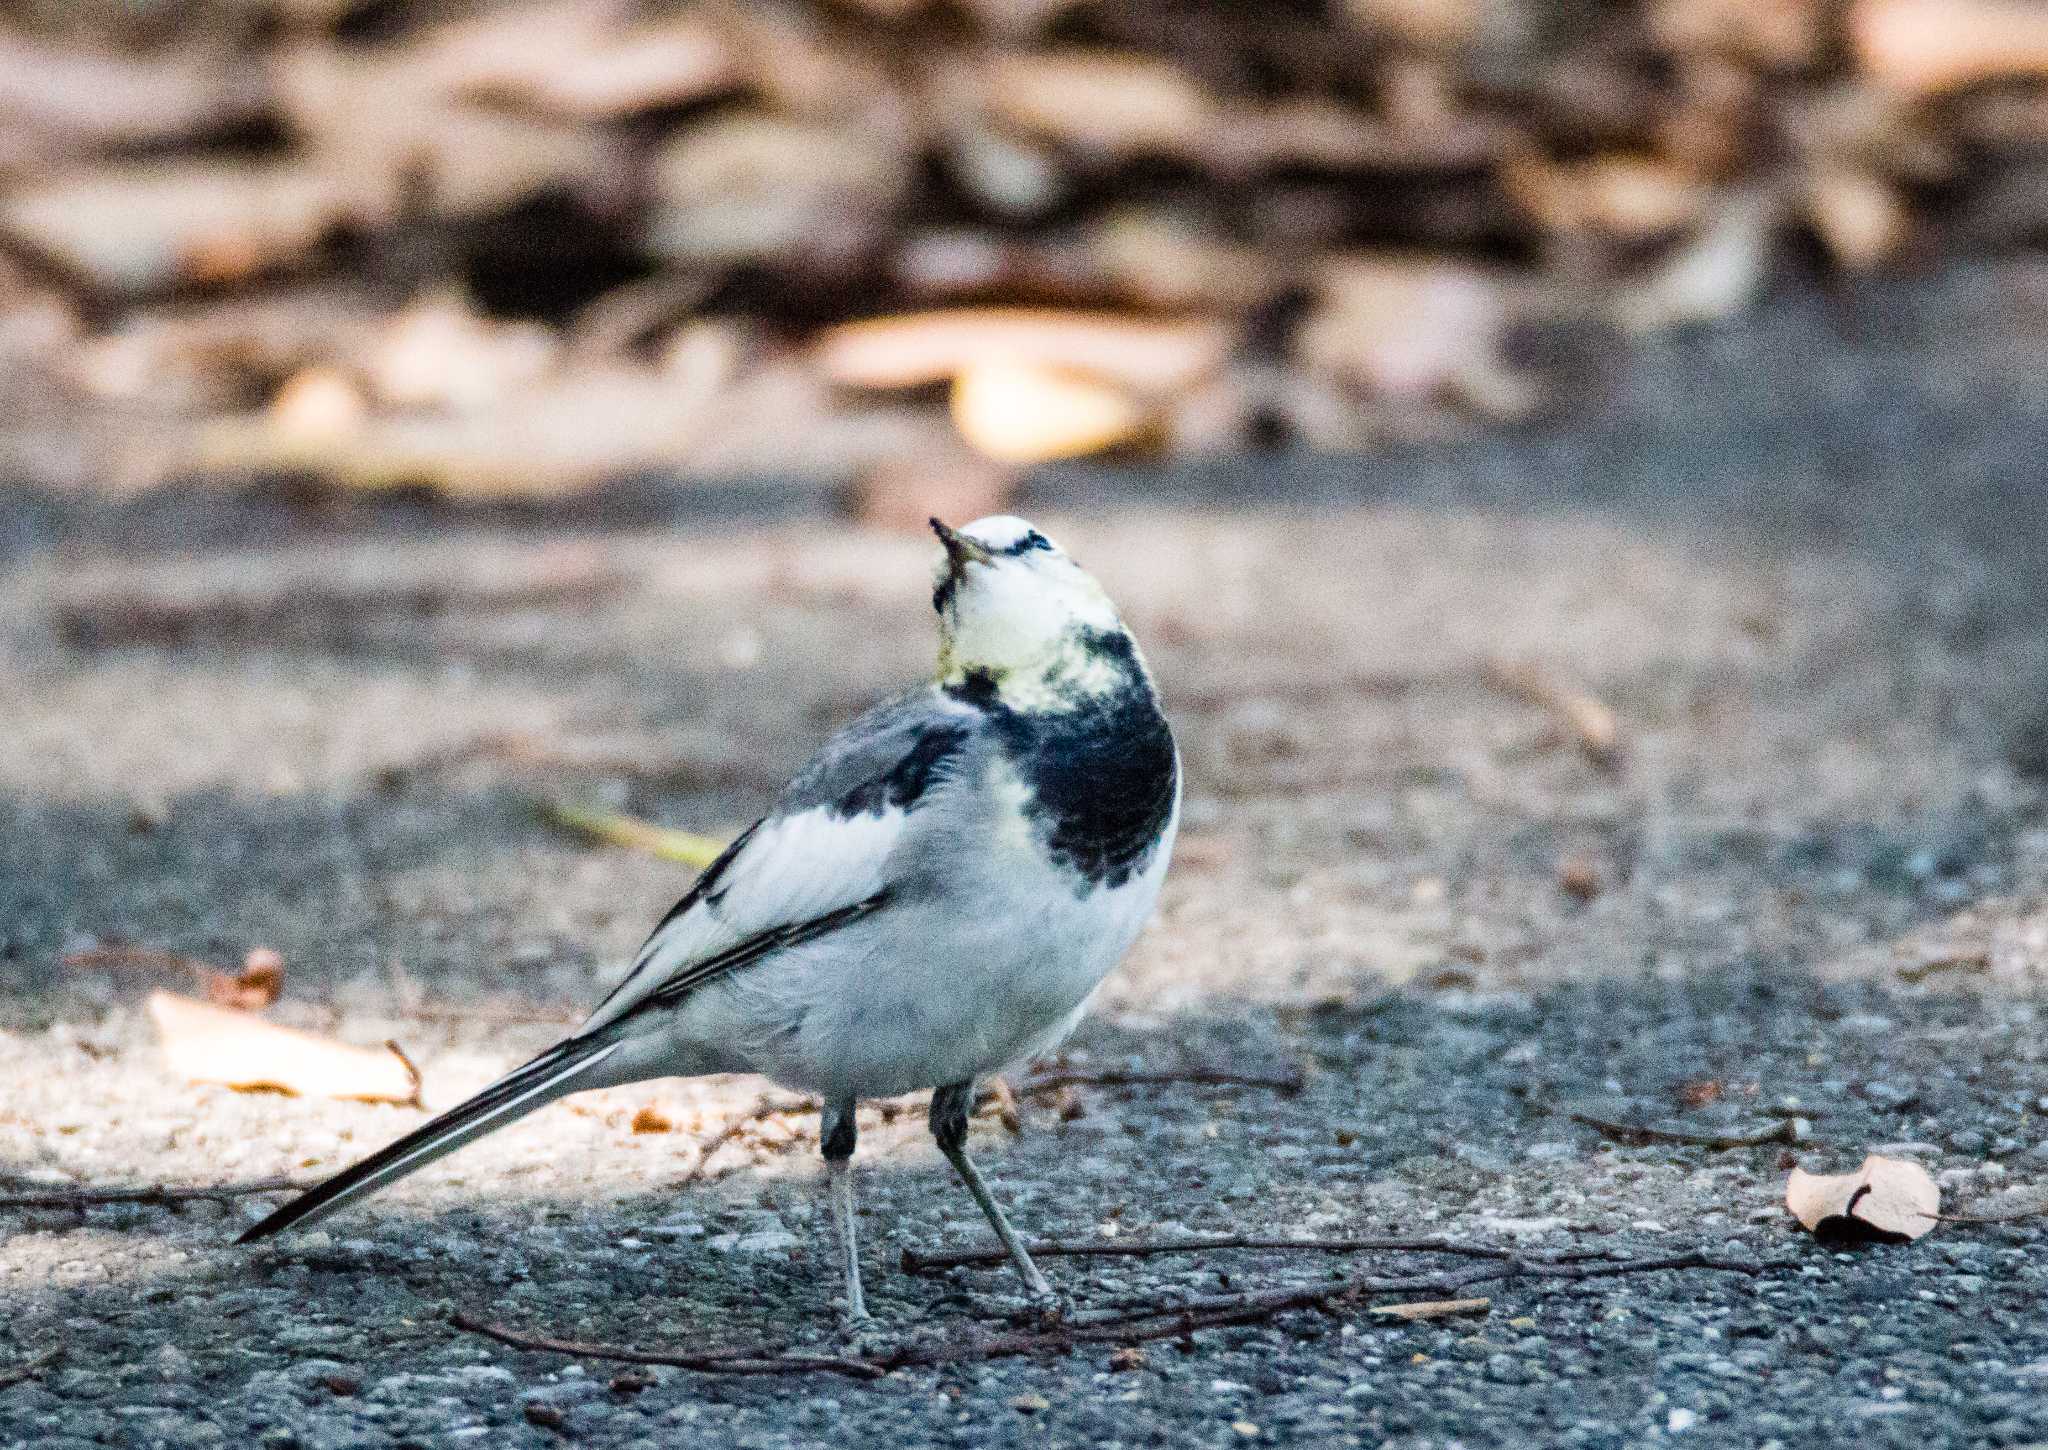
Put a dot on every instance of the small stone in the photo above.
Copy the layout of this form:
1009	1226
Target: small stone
1129	1357
546	1416
1029	1404
1245	1428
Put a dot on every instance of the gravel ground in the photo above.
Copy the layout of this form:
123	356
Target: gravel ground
1796	558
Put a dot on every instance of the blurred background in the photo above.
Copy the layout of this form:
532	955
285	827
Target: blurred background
888	253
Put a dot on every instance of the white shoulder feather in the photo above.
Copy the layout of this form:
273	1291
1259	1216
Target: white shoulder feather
824	852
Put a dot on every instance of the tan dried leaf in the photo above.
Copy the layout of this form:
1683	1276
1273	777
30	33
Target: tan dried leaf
1929	46
930	347
1887	1200
651	1119
319	402
1626	197
1109	102
1861	220
1414	330
91	97
753	186
441	353
1714	276
1782	34
1431	1309
577	60
207	1043
566	433
415	141
1020	412
255	987
145	226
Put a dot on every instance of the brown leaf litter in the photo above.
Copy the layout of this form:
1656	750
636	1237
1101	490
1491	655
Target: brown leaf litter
1886	1200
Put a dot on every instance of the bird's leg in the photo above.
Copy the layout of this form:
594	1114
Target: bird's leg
839	1135
949	1126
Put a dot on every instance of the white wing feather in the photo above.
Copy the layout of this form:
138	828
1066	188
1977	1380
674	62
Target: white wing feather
791	869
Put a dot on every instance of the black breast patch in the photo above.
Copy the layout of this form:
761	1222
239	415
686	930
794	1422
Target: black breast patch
1102	776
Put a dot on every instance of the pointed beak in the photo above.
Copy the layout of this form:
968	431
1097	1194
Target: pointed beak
960	550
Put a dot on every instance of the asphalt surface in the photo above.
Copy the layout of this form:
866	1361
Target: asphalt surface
1797	558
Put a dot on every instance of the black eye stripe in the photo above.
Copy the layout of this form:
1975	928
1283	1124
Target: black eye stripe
1032	540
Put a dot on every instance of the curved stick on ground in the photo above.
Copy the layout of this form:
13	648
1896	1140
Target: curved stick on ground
1112	1326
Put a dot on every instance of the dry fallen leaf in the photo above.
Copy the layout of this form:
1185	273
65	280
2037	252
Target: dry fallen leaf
1592	722
933	347
1105	102
1626	197
1432	1309
751	187
206	1043
553	437
651	1119
148	225
575	59
1940	45
620	830
415	144
440	352
1862	220
1713	276
1887	1200
1414	329
1019	412
256	986
75	96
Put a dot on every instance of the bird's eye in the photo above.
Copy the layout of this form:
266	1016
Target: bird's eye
1036	540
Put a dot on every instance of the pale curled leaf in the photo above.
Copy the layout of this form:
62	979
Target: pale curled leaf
148	225
1431	1309
206	1043
1887	1200
1016	412
933	347
1940	45
614	829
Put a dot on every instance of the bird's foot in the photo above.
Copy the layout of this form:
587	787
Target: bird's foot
865	1338
1047	1307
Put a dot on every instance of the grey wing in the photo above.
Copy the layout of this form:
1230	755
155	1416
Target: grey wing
819	860
883	759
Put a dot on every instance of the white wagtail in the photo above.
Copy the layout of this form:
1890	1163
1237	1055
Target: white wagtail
934	897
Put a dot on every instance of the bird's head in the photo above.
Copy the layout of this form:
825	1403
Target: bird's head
1020	618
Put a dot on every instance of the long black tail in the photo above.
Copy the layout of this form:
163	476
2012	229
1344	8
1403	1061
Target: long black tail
551	1075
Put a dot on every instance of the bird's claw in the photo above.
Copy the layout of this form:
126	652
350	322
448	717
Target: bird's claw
1051	1307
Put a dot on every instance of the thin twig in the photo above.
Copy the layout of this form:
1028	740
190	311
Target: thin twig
768	1107
83	1198
1055	1078
763	1360
411	1070
917	1263
1785	1131
1145	1322
1592	724
31	1367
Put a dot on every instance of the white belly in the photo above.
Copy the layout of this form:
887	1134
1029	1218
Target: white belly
996	967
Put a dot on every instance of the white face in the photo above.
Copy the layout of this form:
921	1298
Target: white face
1011	602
